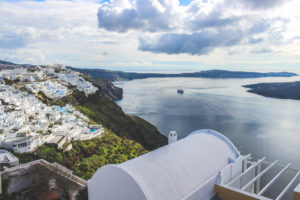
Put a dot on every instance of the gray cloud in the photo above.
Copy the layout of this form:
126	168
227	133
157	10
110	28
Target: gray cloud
200	43
120	22
261	50
195	44
213	19
12	41
161	15
203	25
260	26
253	40
142	15
263	4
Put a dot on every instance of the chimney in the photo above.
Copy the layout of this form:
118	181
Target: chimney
172	137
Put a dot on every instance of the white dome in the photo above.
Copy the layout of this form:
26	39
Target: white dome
170	172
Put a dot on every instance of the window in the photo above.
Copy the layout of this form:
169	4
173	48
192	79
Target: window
24	144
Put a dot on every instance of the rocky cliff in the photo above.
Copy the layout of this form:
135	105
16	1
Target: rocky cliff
109	90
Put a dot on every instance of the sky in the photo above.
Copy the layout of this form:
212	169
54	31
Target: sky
146	35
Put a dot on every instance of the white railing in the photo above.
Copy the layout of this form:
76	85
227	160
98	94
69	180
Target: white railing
252	166
284	191
274	179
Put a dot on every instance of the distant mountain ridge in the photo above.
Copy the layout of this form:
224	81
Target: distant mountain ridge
10	65
120	75
6	63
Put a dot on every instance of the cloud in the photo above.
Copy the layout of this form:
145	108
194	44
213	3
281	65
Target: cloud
253	40
16	37
120	22
31	21
196	43
196	29
163	15
146	15
261	26
213	19
169	15
94	32
46	31
263	4
199	43
204	15
261	50
27	56
11	41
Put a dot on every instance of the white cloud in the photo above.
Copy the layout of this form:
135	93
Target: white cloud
89	33
138	15
198	28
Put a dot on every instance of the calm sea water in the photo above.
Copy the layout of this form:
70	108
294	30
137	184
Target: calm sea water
258	125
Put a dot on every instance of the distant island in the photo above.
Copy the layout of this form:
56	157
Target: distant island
120	75
284	90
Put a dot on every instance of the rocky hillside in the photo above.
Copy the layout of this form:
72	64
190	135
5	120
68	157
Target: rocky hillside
109	90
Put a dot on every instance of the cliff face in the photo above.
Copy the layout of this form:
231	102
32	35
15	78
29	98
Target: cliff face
109	90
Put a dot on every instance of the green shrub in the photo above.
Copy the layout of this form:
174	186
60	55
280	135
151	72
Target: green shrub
88	156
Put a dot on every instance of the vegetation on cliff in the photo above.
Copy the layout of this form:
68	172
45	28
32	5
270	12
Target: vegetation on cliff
88	156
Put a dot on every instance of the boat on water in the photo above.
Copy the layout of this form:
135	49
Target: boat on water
180	91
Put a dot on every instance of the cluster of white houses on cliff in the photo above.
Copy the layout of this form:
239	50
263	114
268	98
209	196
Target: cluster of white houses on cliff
26	122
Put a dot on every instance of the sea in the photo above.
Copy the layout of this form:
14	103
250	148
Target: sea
258	125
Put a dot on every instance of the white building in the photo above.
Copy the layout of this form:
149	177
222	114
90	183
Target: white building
198	167
7	159
21	144
26	122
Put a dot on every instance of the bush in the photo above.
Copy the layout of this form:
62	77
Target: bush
88	156
8	81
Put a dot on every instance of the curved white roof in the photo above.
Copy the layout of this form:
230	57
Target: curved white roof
170	172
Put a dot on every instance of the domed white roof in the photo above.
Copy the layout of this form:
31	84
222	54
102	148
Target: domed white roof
170	172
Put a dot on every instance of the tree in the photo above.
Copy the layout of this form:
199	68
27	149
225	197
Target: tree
8	81
30	118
